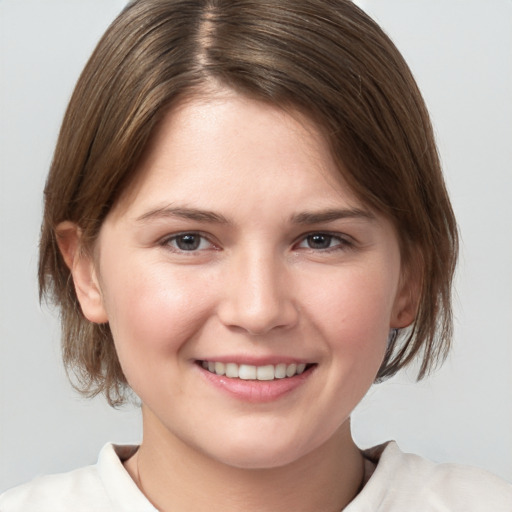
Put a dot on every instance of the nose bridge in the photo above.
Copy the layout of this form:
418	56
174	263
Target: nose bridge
258	295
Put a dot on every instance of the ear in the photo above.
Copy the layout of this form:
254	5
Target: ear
407	299
83	271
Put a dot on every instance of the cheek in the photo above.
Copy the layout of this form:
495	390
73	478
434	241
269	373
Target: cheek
353	311
152	313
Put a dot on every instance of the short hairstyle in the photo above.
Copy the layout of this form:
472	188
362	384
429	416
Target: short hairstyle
324	58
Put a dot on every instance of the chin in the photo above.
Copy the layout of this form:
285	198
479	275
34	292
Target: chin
263	453
256	459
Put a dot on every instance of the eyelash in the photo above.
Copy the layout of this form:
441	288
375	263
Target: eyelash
166	242
342	242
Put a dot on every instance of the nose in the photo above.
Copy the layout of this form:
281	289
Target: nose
258	296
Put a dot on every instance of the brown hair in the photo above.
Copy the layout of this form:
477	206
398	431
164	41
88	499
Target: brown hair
323	57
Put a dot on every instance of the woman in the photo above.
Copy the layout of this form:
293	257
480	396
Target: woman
246	224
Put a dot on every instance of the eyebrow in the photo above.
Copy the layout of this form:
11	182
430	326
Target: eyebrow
183	213
331	215
194	214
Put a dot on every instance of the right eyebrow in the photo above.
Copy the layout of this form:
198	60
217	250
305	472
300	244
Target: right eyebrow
194	214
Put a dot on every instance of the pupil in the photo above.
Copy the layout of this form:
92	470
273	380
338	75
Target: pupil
319	241
188	242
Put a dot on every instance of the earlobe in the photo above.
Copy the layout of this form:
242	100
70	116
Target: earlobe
403	318
83	271
406	303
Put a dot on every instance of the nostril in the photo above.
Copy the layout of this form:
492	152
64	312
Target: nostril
259	321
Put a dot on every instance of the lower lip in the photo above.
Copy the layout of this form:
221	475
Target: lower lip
257	391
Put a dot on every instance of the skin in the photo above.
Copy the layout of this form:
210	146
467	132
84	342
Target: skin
259	286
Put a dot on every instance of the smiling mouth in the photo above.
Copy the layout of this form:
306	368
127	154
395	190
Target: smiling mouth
250	372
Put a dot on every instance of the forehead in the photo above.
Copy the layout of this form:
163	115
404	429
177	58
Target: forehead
225	140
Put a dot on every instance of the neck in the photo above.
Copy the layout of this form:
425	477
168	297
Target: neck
175	476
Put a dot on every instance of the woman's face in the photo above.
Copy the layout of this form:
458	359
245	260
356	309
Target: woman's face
249	293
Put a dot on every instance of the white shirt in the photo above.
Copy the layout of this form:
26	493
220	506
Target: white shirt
401	482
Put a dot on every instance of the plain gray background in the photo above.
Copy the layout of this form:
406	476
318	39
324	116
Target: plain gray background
461	54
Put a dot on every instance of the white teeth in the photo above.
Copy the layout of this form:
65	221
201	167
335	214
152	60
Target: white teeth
232	370
291	369
280	371
220	368
265	372
247	372
250	372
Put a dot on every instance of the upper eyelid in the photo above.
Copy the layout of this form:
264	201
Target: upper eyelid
344	243
170	236
335	234
165	239
343	237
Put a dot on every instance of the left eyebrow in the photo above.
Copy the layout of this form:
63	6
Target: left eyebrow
331	215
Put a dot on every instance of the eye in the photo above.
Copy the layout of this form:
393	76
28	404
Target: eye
187	242
323	241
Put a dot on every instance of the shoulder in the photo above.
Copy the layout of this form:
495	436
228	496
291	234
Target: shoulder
100	487
403	481
75	490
